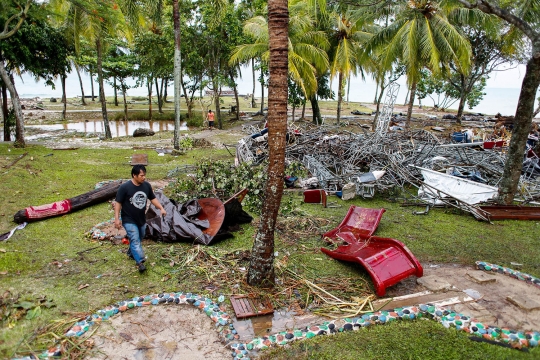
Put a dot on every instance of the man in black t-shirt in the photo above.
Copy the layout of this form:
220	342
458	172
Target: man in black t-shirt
131	205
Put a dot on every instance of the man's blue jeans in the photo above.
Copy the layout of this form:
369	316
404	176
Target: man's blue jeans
135	235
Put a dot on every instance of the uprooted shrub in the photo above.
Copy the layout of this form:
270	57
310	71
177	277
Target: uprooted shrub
222	179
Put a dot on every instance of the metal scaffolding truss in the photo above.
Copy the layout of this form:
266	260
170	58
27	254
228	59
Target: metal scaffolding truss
388	108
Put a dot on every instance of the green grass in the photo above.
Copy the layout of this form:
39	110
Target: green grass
31	255
407	340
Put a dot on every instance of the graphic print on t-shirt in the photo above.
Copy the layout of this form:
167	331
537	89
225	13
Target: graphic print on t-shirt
138	200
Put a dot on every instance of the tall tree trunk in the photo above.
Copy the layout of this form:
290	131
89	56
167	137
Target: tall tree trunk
304	110
102	99
376	92
254	81
165	94
124	89
262	95
407	96
261	266
410	108
339	97
177	74
149	86
189	103
158	94
293	110
64	98
235	89
15	102
5	113
461	106
80	83
217	104
3	119
92	84
115	92
522	123
317	118
462	98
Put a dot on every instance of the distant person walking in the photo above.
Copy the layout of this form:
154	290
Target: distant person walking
131	204
210	118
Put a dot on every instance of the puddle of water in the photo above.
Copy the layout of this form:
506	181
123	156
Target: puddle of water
118	128
281	320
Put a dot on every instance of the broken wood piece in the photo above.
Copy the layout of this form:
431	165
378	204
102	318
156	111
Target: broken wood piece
15	161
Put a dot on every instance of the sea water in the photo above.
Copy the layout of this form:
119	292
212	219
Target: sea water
497	99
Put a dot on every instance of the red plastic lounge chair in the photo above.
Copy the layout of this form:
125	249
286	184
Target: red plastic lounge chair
387	261
358	223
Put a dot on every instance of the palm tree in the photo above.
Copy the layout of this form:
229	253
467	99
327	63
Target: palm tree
420	36
307	56
347	36
261	266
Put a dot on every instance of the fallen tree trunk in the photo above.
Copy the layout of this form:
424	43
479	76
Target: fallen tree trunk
34	213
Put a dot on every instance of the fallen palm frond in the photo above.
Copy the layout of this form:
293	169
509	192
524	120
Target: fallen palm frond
332	306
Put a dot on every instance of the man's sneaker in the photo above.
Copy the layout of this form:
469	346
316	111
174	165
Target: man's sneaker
141	267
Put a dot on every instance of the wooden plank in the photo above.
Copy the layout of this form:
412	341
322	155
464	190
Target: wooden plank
139	159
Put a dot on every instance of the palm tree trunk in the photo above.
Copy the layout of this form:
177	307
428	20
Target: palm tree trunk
339	96
376	91
217	104
254	81
261	266
102	99
406	96
317	118
235	89
262	94
303	109
410	108
83	101
19	124
177	74
64	99
522	123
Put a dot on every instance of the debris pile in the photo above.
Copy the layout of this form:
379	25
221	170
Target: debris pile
337	157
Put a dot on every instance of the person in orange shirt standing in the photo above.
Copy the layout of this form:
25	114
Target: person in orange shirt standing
210	118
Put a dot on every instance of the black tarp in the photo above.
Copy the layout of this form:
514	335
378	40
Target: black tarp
182	224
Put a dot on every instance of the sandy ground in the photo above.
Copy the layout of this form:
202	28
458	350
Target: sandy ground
159	332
